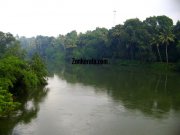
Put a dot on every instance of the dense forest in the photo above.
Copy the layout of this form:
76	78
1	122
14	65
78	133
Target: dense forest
155	39
18	76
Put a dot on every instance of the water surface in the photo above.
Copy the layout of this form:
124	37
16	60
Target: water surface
102	101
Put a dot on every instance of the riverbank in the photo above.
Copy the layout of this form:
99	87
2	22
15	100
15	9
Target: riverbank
158	67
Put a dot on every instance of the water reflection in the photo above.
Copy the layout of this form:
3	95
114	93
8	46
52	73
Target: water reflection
98	100
28	112
153	94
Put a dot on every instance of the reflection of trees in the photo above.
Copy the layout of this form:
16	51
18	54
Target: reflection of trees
27	112
54	66
152	94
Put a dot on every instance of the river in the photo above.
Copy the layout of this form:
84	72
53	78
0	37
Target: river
100	101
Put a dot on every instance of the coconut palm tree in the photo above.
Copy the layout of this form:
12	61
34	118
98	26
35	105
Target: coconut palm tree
166	38
156	41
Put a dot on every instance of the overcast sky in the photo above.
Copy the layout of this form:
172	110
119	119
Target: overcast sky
53	17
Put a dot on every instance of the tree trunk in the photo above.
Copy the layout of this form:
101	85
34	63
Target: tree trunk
132	57
167	53
159	53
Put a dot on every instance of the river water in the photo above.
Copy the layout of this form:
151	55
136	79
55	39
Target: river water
100	101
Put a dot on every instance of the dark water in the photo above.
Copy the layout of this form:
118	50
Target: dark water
81	100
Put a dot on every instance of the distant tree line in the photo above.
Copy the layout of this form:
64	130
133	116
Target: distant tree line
155	39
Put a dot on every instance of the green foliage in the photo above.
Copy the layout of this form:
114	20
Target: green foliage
166	38
16	74
153	40
6	83
38	67
6	39
29	79
176	30
15	50
70	39
92	44
7	105
14	71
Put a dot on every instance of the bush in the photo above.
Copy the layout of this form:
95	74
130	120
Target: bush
6	103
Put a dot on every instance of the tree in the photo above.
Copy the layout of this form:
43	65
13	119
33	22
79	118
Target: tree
159	27
155	40
16	74
6	103
164	23
166	38
15	50
5	41
118	42
136	35
38	67
92	44
71	39
176	30
134	40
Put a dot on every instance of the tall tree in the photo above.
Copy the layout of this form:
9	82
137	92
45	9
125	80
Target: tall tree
166	38
156	41
5	41
134	28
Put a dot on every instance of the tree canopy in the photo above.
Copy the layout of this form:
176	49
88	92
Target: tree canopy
155	39
17	75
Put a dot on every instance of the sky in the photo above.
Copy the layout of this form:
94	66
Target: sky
53	17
